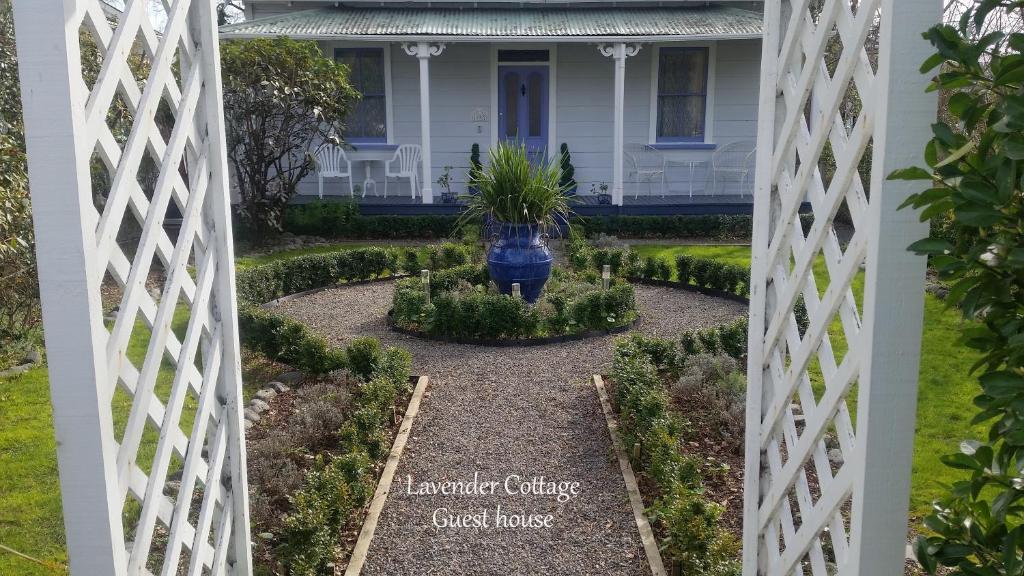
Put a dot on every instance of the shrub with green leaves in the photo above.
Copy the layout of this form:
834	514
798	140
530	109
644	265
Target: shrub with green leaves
364	355
464	305
729	338
974	182
686	522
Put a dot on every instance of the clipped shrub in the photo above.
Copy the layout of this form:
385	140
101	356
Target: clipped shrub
600	309
332	219
693	537
364	353
729	338
288	341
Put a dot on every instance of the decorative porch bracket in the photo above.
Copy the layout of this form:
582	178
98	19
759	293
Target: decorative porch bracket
827	484
619	51
423	51
181	378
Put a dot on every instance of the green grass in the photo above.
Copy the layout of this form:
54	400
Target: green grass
945	391
31	520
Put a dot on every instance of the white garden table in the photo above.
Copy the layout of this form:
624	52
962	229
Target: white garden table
367	155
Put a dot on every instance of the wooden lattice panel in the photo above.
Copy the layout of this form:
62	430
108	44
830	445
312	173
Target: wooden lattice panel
823	132
145	108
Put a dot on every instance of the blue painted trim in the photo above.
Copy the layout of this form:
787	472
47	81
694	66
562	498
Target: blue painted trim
684	146
370	145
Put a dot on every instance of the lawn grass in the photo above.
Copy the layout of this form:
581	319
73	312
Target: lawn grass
945	389
31	519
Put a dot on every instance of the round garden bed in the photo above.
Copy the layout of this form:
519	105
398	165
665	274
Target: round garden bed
461	305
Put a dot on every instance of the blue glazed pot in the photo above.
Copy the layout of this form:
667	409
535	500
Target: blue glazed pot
519	255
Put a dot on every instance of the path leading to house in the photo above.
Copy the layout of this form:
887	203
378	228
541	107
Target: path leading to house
499	412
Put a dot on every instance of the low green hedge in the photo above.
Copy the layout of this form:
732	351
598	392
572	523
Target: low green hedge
333	219
342	220
686	521
463	306
336	487
713	274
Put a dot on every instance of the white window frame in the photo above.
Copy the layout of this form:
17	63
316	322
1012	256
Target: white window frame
389	101
709	102
552	65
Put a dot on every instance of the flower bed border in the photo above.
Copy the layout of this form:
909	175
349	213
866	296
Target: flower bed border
511	343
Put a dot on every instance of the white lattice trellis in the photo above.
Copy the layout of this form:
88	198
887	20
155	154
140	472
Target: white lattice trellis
828	477
146	407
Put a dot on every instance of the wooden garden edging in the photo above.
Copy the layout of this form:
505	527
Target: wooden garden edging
636	502
380	495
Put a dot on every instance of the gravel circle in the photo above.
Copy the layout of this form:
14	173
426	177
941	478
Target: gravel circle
497	412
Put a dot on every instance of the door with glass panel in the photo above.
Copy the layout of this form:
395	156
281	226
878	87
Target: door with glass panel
523	107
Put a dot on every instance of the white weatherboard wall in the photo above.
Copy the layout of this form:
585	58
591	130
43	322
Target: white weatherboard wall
461	84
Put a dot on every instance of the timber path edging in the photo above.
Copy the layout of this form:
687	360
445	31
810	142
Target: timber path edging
380	495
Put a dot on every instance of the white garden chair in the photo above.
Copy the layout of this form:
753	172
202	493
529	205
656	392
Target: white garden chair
645	164
332	162
733	160
407	156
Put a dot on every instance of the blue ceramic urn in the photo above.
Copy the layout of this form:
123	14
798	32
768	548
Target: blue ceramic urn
519	254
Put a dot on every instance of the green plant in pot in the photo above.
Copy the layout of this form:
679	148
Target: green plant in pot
518	202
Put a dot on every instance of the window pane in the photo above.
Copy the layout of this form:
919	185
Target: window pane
371	73
535	102
366	74
680	116
682	71
369	119
522	55
512	105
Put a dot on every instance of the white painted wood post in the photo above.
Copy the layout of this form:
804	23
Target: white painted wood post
219	196
423	51
619	52
893	294
793	524
758	269
58	163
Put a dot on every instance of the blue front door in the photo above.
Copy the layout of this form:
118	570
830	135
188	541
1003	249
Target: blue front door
523	107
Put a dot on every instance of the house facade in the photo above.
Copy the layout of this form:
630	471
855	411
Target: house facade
656	102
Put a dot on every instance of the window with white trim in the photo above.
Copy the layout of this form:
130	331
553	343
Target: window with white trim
682	94
368	120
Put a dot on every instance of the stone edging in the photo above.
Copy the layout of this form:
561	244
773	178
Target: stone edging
635	500
380	495
511	343
32	360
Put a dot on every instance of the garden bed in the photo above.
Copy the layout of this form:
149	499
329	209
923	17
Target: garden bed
517	342
316	454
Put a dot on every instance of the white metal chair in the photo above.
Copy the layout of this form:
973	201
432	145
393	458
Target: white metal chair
736	160
645	164
408	158
332	162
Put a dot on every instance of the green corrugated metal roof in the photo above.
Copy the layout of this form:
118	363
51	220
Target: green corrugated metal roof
483	23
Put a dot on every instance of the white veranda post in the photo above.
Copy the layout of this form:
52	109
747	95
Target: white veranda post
827	482
619	52
172	356
423	51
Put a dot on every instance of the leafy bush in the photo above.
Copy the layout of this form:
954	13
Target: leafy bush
464	305
974	177
282	339
713	274
283	101
692	535
364	355
730	339
686	521
341	219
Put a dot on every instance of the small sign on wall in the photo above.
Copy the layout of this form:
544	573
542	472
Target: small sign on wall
481	115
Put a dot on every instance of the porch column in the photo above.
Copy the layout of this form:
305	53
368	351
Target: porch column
619	51
423	51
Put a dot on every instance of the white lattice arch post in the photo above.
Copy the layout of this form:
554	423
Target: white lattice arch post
827	482
204	524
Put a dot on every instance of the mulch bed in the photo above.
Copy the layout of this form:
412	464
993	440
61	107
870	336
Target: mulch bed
284	408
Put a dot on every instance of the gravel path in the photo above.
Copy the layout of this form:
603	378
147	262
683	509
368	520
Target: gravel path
499	412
